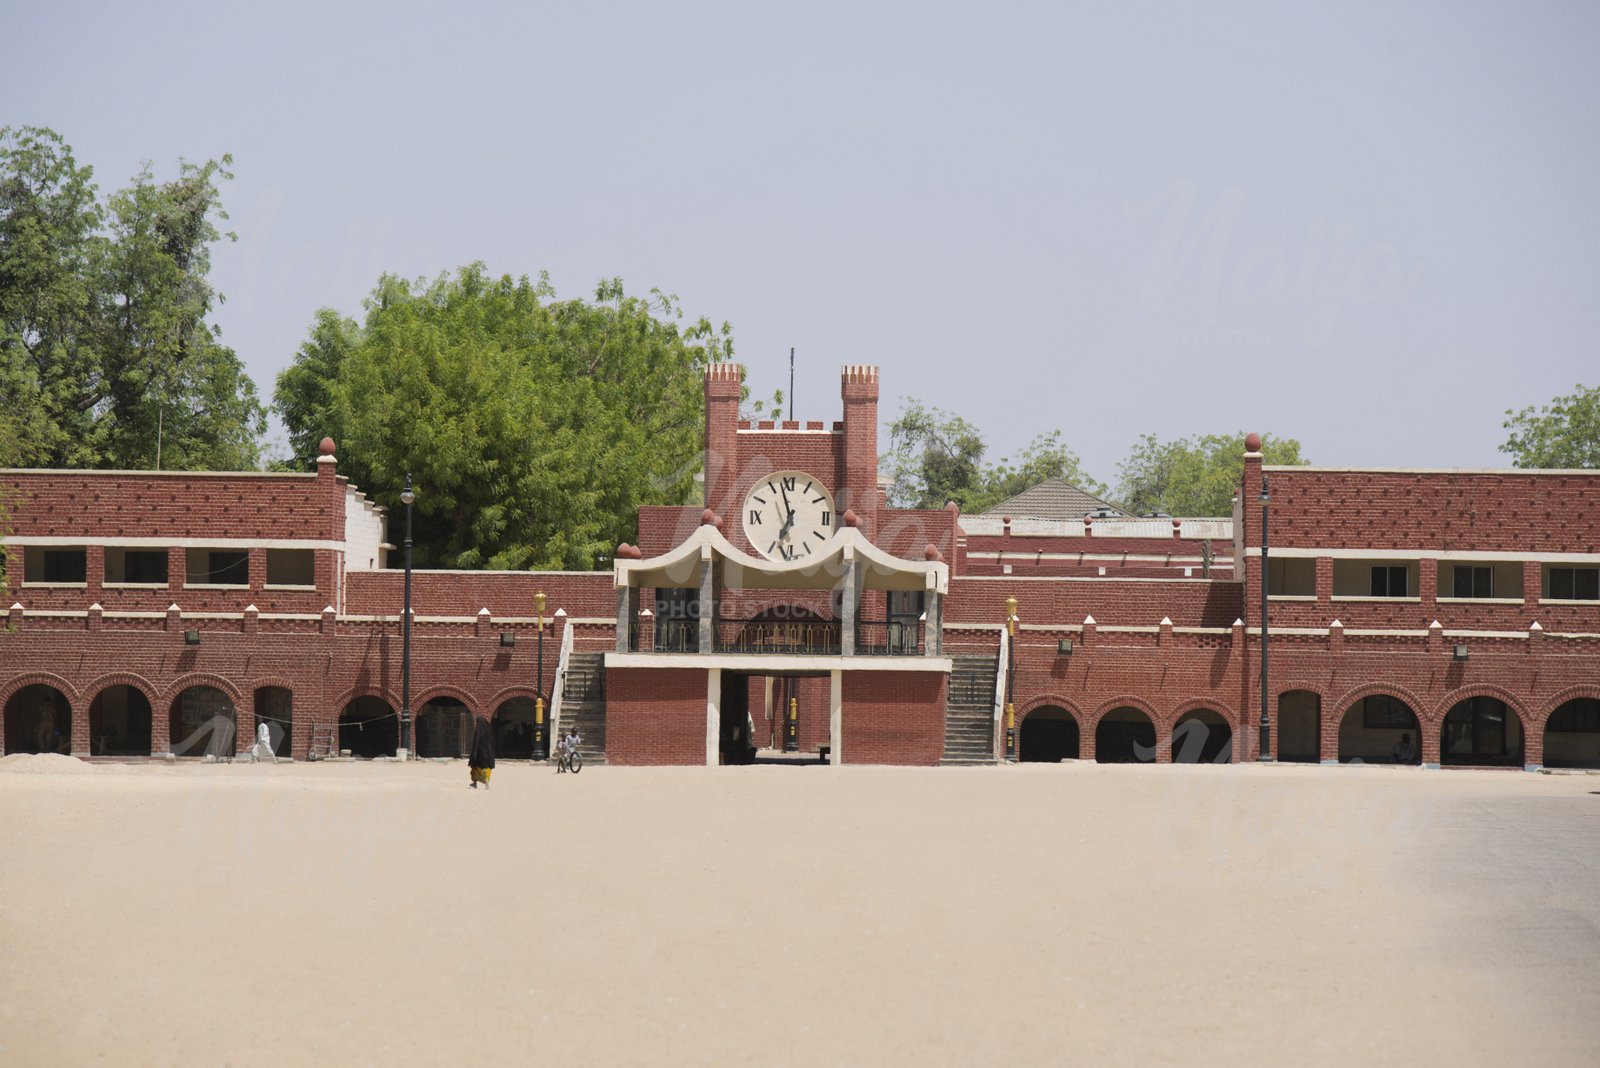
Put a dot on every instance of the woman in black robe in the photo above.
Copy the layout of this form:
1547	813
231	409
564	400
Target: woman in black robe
481	762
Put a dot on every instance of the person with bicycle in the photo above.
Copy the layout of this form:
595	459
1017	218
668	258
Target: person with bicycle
567	758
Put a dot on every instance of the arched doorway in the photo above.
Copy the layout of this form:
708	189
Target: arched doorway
203	723
1202	736
444	729
1299	727
275	708
1049	734
1572	735
119	722
513	729
1380	729
1124	736
38	720
369	728
1481	732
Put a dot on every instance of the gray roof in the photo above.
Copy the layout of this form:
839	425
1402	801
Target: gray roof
1054	498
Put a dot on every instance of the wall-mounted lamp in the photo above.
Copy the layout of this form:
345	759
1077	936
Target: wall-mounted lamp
1064	647
191	637
1459	652
508	638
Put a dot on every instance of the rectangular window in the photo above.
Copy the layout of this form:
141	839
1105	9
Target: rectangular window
1575	584
136	566
1388	580
291	567
55	565
1381	710
218	567
1473	581
677	620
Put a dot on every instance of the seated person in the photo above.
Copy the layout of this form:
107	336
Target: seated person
1403	753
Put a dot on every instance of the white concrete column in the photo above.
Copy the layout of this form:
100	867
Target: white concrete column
713	714
835	716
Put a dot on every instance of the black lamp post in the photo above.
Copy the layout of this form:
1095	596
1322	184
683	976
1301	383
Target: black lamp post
539	751
406	497
1266	722
1011	679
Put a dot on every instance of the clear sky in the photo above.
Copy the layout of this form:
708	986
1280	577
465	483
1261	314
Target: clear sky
1372	227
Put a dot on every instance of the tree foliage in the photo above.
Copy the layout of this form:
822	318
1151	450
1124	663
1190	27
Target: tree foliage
533	428
1562	434
1195	476
936	457
106	355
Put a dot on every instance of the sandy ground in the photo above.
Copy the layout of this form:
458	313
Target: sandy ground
380	914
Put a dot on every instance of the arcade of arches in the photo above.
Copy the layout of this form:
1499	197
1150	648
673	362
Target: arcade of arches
1480	731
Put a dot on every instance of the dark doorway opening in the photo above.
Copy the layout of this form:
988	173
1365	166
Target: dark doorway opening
444	729
513	729
1299	727
1572	735
202	723
275	708
369	728
1481	732
1124	736
1202	736
119	722
735	744
38	720
1049	734
1380	730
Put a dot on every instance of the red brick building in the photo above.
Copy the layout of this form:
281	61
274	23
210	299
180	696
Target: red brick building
1441	617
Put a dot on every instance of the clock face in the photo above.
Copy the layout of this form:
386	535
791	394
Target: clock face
789	516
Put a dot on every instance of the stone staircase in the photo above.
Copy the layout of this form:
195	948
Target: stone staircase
969	711
583	703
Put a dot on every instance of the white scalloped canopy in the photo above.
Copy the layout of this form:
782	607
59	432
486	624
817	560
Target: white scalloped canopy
680	567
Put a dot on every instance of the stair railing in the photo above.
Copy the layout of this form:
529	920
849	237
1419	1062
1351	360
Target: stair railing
559	690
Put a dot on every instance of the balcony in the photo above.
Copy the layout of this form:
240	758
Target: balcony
809	638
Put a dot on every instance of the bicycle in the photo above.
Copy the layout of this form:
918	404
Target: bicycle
568	758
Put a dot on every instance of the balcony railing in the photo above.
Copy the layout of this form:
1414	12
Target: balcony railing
894	638
811	638
799	639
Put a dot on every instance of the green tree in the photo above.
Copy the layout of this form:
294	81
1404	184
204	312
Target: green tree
533	428
1044	458
1195	476
936	457
49	308
1563	434
106	355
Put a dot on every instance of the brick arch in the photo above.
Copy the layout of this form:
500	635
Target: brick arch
1054	701
202	678
1511	700
510	693
1127	701
39	678
123	678
1571	693
445	690
272	681
1417	705
1219	707
1280	689
339	704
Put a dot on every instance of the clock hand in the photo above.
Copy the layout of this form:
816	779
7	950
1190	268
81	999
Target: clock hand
789	515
